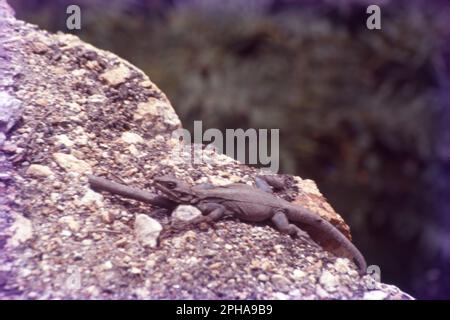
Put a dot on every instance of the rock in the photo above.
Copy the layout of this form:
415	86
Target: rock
155	107
186	213
70	222
37	170
281	283
186	276
146	109
10	111
116	75
280	296
321	293
22	230
66	233
134	151
342	265
64	140
107	217
134	270
39	47
131	138
9	147
147	230
298	275
375	295
329	281
71	164
92	198
86	242
107	265
262	277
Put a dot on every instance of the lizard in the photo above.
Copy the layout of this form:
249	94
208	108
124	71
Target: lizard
240	200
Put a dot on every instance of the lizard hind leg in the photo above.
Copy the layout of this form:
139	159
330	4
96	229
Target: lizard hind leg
282	223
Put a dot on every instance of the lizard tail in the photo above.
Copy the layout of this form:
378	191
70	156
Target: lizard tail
317	222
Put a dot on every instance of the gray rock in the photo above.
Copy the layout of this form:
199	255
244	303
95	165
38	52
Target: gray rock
281	283
10	112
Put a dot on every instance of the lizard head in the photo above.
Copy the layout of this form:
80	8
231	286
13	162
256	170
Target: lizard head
174	189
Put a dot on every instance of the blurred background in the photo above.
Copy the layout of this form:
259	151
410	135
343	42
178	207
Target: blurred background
363	113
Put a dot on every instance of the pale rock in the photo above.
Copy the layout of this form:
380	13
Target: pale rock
142	293
71	164
295	293
375	295
37	170
9	147
91	197
262	277
133	150
54	197
146	83
134	270
74	107
298	274
70	222
280	296
219	181
328	281
186	213
66	233
22	230
81	137
78	72
96	98
86	242
321	293
342	265
147	230
149	108
116	75
131	138
107	265
64	140
155	107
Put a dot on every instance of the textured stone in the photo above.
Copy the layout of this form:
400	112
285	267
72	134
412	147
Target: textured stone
70	163
147	230
116	75
22	231
186	213
37	170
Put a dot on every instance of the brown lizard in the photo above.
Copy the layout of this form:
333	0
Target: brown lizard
241	200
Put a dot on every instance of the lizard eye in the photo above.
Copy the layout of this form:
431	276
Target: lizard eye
171	185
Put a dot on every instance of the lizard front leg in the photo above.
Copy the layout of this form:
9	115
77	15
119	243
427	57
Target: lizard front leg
211	211
269	183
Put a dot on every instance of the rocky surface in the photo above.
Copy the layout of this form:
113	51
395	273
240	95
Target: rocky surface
84	110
